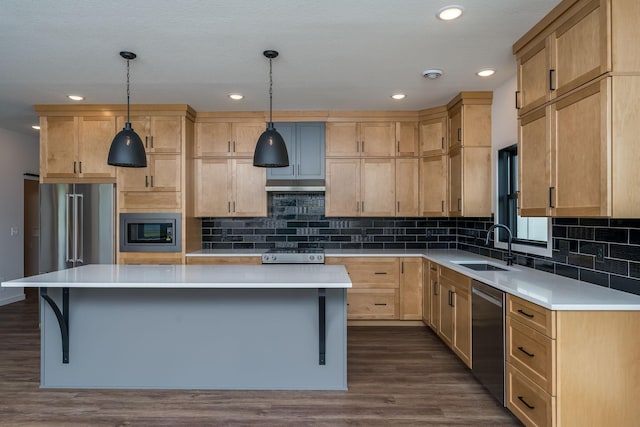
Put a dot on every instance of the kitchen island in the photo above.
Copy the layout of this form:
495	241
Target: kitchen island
193	327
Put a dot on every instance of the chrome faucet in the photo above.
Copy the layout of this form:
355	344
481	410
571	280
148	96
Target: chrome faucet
509	238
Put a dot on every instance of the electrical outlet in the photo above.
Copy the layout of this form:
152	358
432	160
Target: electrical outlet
14	231
600	253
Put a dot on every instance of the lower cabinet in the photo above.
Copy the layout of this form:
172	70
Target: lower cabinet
163	258
410	288
572	368
375	292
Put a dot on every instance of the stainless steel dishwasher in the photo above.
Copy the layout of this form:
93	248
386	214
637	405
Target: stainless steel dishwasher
487	328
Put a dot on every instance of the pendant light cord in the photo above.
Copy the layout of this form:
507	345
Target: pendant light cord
270	92
128	108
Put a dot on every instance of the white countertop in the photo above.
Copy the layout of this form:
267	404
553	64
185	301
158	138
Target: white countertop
548	290
308	276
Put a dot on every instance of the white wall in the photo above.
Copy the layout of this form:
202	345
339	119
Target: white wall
18	155
504	126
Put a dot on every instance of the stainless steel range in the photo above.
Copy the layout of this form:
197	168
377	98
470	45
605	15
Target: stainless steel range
293	256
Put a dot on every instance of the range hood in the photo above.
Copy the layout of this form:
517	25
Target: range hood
295	185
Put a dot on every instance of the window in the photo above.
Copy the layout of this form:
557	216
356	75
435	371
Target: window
530	235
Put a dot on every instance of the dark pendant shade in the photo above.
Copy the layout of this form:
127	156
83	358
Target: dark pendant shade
271	151
127	149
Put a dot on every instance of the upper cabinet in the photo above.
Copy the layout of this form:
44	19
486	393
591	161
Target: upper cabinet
433	134
226	139
363	139
306	148
576	133
160	134
469	156
74	148
407	139
580	40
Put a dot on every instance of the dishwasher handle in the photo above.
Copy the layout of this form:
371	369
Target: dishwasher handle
483	295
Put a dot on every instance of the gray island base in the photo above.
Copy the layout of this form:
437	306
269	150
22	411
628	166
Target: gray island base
194	336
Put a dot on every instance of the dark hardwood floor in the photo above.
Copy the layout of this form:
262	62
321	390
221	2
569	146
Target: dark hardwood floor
397	377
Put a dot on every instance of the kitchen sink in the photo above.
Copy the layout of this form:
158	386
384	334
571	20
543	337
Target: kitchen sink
481	266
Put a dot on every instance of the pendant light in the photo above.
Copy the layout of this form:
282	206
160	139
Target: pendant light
271	151
127	149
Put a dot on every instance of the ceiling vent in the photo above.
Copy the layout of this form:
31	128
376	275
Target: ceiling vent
432	74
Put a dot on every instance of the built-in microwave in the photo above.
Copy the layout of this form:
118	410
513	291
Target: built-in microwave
150	232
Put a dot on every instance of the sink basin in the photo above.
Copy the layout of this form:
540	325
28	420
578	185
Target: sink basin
481	266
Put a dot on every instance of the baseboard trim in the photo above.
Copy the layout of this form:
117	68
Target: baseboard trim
12	299
385	323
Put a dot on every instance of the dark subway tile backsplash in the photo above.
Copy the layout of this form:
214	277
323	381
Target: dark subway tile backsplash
298	221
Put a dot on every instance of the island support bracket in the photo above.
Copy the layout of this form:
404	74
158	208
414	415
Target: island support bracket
322	325
63	318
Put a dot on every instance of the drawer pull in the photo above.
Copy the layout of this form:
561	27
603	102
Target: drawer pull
380	304
526	352
380	272
521	399
524	313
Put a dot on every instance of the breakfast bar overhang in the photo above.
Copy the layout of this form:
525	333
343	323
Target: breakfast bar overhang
193	327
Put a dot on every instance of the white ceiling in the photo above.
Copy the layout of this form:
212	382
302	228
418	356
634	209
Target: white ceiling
334	54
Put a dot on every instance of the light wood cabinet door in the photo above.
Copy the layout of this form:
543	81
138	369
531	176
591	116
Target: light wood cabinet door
161	174
580	138
378	187
462	313
377	139
455	182
249	195
410	289
244	137
432	137
212	185
533	78
447	315
407	187
426	293
342	139
342	197
455	126
433	185
434	290
160	134
534	164
580	49
212	139
370	272
59	147
166	134
407	139
94	142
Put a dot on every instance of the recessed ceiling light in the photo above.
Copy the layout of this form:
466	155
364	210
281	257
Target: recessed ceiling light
236	96
449	13
486	72
75	97
36	127
398	96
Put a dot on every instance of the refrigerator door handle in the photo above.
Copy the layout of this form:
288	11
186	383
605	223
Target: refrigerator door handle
69	242
79	231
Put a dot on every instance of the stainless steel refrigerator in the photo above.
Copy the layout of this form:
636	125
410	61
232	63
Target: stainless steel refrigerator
77	225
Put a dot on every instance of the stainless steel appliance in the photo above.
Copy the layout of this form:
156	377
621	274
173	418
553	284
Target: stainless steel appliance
487	332
150	232
77	225
293	256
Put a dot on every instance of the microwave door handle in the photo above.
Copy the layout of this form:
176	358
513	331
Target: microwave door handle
69	212
79	255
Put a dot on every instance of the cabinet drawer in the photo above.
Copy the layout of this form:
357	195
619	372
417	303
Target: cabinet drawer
527	401
532	315
372	304
532	353
371	272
